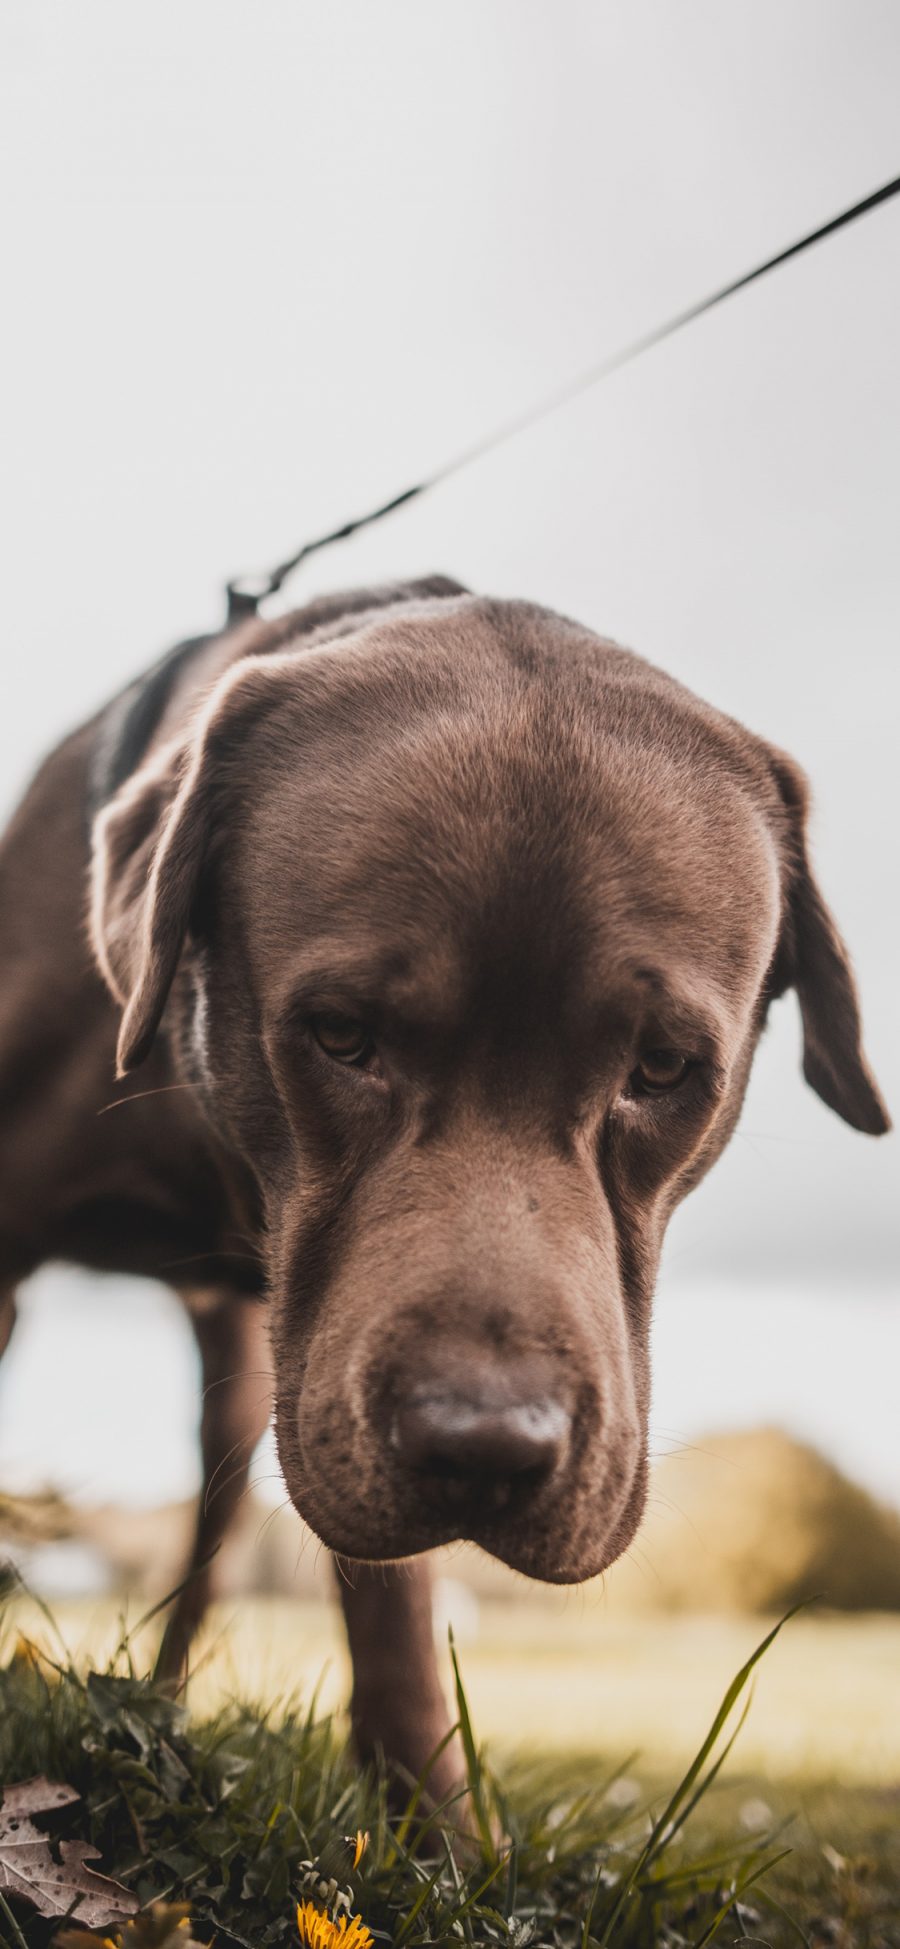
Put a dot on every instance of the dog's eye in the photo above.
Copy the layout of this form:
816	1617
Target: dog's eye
659	1070
343	1038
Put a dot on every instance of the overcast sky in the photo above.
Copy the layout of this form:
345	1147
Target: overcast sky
266	265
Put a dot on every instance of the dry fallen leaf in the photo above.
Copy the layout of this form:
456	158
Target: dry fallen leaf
38	1796
28	1869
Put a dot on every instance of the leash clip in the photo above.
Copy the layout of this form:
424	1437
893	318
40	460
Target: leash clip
244	594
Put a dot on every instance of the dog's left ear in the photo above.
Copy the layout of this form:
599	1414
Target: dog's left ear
811	957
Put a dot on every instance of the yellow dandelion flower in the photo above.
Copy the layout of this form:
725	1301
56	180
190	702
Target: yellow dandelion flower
318	1931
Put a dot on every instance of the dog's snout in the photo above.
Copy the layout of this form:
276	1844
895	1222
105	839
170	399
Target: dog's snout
443	1434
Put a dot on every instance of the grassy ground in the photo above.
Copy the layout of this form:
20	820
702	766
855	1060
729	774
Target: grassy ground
563	1702
579	1678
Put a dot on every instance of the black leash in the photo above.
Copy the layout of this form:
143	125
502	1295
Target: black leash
246	592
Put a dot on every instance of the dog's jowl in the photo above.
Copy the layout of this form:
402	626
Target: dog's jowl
431	937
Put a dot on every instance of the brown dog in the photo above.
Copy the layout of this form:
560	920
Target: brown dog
444	932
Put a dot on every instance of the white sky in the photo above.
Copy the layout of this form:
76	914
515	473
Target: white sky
265	266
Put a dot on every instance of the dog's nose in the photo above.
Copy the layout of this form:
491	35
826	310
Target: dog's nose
444	1434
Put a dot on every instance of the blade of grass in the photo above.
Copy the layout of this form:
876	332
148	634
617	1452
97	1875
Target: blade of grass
457	1882
419	1903
703	1787
512	1879
729	1701
18	1937
434	1820
686	1784
403	1857
420	1785
460	1914
739	1888
196	1571
725	1857
25	1589
786	1916
589	1917
473	1763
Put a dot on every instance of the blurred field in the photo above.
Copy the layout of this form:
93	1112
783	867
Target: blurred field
580	1681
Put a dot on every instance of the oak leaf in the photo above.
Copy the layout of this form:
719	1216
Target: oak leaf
30	1870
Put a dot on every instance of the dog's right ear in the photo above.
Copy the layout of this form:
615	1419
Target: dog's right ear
150	845
148	848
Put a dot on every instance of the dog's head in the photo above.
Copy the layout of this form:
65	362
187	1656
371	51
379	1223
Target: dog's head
476	919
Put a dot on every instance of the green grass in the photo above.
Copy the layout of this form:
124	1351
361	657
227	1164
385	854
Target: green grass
585	1680
220	1810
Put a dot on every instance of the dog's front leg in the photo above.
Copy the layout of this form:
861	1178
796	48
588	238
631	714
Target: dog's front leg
398	1709
232	1339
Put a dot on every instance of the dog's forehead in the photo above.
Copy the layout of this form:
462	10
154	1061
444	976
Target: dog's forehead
439	819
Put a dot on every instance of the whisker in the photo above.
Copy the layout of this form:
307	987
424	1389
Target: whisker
305	1540
248	1490
240	1374
642	1562
755	1149
243	1441
199	1258
277	1511
656	1500
683	1447
163	1089
241	1469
